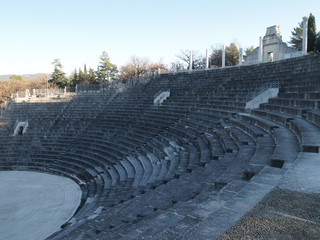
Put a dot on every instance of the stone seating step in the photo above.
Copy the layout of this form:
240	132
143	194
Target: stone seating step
215	146
156	166
147	169
221	214
304	130
241	137
137	165
295	111
287	146
301	103
155	201
265	143
307	134
300	95
129	168
314	117
280	118
248	128
266	125
226	141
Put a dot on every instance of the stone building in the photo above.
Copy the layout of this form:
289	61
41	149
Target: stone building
271	48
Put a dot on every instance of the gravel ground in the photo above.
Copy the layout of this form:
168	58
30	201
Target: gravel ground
282	214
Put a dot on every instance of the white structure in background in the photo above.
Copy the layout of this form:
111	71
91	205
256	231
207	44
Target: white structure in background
20	127
262	95
260	50
158	100
223	56
191	61
305	35
271	48
207	58
240	56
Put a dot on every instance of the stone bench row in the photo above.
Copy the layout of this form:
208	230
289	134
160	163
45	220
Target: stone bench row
294	111
305	130
123	222
286	143
300	95
300	103
157	199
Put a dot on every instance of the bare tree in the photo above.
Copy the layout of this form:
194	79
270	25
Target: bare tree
4	91
140	65
176	66
127	72
39	82
153	67
140	68
198	61
137	67
15	84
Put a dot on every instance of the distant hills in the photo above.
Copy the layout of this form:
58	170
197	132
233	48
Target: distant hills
25	76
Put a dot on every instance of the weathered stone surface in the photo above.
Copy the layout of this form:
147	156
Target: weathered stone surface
188	169
282	214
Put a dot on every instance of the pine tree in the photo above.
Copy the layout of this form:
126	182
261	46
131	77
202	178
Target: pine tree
80	77
248	51
92	77
296	38
312	34
58	77
216	58
232	55
85	74
73	78
106	70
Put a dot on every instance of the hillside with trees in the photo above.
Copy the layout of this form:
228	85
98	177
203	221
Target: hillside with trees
17	83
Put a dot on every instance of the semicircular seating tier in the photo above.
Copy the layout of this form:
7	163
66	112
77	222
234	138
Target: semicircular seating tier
168	170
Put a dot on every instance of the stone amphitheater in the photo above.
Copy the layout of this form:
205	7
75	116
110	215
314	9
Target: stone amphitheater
182	156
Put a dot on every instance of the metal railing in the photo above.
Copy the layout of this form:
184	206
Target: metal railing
38	93
261	89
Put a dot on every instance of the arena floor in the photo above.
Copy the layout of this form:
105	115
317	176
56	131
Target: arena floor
35	205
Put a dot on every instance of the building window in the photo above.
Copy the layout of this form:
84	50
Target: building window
270	56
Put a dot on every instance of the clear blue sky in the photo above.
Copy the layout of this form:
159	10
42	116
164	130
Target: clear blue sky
35	32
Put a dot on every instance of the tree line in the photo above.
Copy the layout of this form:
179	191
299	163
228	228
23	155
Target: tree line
139	67
106	71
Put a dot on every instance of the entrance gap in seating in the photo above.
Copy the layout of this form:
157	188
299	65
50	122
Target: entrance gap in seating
20	132
20	127
247	175
277	163
310	149
219	185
